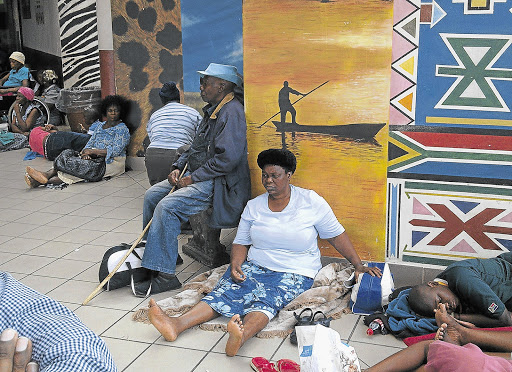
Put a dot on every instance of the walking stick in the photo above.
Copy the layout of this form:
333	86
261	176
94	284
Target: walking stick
137	241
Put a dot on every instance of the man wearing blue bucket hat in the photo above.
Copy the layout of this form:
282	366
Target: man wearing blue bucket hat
217	175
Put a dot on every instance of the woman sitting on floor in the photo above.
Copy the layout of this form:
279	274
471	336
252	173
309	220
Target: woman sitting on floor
18	76
27	114
274	257
109	141
455	349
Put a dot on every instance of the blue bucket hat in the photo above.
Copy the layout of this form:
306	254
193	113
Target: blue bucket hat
225	72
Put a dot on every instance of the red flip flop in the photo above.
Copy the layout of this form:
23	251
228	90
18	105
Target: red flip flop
261	364
287	365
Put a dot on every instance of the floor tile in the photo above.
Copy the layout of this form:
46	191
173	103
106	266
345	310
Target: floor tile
42	284
6	257
133	191
129	227
90	275
46	232
372	354
73	291
79	236
26	264
158	358
124	352
62	268
219	362
54	249
98	319
345	325
128	329
71	221
9	214
35	205
102	224
20	245
113	201
115	238
265	347
16	228
286	351
123	213
91	211
87	252
39	218
121	299
188	339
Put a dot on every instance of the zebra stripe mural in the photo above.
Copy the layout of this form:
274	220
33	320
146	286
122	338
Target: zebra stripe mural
79	43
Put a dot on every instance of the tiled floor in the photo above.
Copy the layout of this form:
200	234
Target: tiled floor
53	241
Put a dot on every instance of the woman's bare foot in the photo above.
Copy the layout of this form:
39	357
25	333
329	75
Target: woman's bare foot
32	183
37	175
236	333
452	331
165	324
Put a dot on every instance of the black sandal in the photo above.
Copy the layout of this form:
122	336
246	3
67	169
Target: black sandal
324	320
302	320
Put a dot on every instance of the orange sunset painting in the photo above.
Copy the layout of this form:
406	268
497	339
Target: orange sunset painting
316	75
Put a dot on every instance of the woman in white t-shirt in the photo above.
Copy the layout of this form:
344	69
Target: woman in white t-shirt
274	257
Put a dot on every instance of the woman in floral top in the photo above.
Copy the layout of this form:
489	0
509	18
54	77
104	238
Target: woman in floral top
109	141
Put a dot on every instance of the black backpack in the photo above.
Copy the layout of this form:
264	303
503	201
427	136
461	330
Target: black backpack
129	272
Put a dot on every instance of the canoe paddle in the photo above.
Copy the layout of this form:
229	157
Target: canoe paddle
277	113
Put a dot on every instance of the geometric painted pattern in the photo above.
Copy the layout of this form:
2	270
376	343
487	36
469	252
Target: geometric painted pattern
473	88
470	156
479	6
406	21
443	222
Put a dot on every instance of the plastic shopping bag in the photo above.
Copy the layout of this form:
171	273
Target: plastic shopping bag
321	350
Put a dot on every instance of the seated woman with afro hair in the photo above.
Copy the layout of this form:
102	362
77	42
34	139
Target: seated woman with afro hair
274	257
109	140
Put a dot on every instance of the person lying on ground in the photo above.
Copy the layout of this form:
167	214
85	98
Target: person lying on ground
274	257
27	113
456	348
478	291
109	141
18	76
50	142
60	342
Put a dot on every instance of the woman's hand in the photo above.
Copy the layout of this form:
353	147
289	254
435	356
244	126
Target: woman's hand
373	271
237	274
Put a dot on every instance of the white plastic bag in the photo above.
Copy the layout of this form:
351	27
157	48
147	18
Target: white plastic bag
321	350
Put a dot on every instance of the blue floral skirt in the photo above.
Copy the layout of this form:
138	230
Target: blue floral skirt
263	290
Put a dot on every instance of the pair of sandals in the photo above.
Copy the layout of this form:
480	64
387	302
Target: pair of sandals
308	317
261	364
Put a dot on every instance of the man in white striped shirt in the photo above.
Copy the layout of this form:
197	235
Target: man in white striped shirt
169	128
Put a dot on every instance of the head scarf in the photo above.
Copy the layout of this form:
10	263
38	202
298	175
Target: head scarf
18	56
170	92
27	93
49	76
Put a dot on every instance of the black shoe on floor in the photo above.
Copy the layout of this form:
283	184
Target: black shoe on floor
179	260
161	283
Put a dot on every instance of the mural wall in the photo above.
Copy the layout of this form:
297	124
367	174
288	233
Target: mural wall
317	82
79	43
450	148
148	53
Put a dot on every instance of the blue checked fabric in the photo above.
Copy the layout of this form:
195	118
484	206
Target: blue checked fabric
61	342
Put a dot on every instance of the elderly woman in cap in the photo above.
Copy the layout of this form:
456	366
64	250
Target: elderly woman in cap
170	129
18	76
27	115
274	257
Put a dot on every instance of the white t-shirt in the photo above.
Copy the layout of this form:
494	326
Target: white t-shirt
286	241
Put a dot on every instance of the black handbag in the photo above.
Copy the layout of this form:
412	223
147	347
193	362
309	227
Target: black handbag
70	162
129	272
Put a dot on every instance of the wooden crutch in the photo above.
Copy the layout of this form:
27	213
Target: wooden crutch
137	241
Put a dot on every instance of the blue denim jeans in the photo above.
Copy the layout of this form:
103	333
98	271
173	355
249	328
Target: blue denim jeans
169	211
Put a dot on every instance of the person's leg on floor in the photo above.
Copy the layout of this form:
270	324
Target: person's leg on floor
242	330
171	327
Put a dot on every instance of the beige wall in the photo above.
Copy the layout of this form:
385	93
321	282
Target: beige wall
42	35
